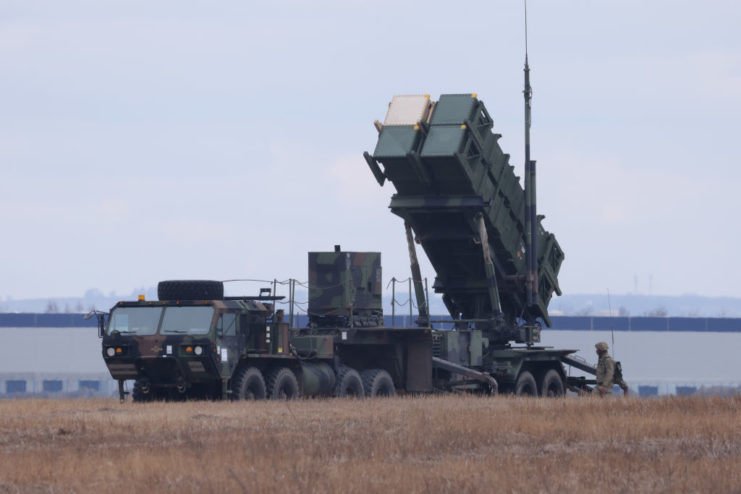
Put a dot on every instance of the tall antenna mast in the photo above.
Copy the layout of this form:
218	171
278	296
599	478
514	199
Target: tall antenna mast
525	3
531	218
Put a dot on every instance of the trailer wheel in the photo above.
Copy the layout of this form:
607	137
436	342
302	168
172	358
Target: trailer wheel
282	384
552	385
349	383
190	290
377	382
525	385
249	385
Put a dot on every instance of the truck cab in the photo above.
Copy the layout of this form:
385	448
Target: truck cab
180	348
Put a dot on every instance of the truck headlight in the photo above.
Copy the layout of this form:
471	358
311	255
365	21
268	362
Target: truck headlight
110	351
198	350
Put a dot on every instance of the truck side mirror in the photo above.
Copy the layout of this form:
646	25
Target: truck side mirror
101	325
101	320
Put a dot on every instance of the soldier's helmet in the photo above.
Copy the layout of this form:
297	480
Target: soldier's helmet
601	346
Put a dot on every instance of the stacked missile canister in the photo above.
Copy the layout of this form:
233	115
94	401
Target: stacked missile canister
458	192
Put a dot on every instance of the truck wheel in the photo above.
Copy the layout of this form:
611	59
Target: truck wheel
190	290
249	385
552	385
139	395
282	384
349	383
525	385
377	382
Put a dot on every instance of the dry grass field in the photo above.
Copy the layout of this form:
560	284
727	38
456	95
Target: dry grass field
423	444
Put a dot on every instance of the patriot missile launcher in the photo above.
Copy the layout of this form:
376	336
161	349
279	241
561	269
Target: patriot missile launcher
497	270
497	266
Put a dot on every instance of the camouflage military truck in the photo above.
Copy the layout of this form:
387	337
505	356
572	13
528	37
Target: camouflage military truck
196	343
192	342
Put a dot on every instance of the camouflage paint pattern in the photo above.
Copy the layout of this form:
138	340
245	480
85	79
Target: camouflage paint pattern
317	378
345	329
238	328
345	289
605	371
462	347
314	346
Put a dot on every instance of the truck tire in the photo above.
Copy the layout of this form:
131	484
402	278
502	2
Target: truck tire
349	383
282	384
377	382
248	385
190	290
138	394
551	385
525	385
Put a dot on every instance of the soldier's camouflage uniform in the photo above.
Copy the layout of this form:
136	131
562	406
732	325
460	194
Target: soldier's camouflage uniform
605	373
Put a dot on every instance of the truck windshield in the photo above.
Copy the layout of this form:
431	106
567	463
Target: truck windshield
135	320
187	320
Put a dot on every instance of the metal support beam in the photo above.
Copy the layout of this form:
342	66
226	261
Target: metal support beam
579	363
424	313
491	277
453	368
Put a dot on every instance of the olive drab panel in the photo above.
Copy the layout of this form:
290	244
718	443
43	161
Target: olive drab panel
449	170
345	288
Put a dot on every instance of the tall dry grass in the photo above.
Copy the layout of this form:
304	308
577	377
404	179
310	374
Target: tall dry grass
421	444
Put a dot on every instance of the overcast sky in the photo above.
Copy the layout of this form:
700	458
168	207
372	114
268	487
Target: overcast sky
143	140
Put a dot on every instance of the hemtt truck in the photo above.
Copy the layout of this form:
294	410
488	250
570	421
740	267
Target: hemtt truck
195	342
497	269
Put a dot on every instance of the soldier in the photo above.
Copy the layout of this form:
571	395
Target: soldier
606	372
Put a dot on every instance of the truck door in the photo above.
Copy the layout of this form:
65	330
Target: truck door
229	353
243	333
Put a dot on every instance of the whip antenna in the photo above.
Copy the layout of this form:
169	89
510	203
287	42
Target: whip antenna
612	330
525	2
531	216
